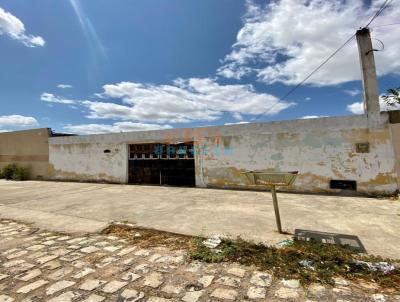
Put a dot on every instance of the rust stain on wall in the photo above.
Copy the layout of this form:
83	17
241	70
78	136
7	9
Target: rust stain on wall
235	179
72	176
18	158
224	177
380	179
229	176
227	141
376	136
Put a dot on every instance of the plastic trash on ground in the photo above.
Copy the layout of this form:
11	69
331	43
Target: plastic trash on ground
384	267
307	264
212	242
285	243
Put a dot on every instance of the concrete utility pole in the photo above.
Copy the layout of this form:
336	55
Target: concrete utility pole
368	70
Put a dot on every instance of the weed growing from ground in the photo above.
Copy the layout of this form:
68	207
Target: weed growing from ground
14	172
307	261
325	261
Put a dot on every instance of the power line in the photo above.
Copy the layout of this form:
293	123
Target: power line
380	10
307	77
319	67
382	25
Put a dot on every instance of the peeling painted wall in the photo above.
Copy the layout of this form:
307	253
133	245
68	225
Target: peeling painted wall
26	148
319	155
320	149
88	162
395	131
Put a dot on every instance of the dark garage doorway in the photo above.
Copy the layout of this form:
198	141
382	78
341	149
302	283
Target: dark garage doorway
162	164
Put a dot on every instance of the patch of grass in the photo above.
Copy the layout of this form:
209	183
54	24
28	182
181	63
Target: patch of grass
150	238
326	261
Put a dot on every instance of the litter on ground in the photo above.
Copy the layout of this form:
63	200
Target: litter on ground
212	242
384	267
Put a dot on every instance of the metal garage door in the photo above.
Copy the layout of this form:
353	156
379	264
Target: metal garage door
162	164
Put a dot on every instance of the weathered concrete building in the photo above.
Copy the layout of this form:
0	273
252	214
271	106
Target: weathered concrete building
329	153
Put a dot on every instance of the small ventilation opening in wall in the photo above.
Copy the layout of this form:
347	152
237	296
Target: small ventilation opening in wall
343	184
107	151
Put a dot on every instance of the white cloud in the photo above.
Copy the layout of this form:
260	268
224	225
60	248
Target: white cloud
17	121
306	117
352	92
237	123
51	98
14	28
116	127
183	101
358	107
63	86
283	41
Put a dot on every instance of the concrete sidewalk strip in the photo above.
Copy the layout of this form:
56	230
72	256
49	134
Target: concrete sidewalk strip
196	211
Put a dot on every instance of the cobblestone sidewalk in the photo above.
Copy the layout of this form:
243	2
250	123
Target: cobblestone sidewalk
36	265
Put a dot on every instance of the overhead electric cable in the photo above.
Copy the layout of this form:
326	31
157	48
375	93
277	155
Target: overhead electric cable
383	25
380	10
307	77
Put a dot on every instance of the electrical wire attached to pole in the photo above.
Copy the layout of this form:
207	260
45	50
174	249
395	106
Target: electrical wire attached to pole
380	10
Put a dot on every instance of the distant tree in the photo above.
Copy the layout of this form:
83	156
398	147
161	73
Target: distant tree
392	98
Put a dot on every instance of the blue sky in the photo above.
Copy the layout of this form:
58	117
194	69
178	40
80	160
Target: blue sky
100	66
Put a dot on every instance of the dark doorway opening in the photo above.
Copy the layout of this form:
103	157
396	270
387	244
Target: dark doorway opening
162	164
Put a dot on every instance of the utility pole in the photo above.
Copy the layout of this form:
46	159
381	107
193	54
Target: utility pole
369	79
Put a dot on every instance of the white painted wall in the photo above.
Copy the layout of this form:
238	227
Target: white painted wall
320	149
88	162
319	155
395	131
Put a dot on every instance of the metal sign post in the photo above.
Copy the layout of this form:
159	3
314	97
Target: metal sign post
276	209
272	179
